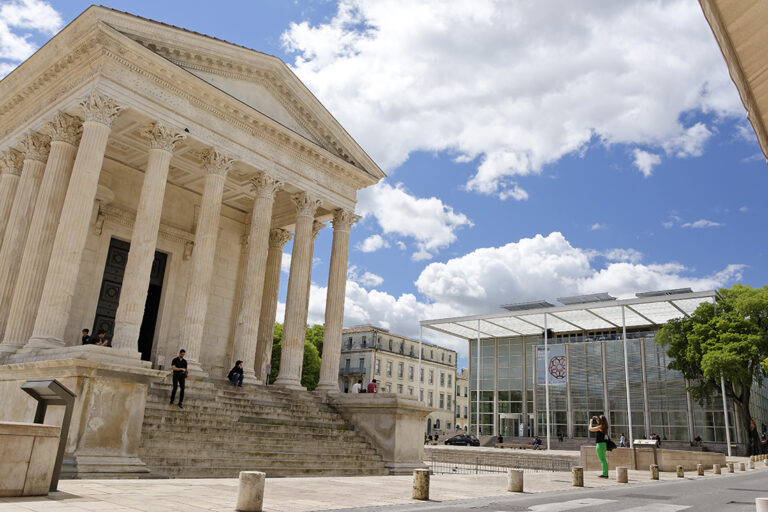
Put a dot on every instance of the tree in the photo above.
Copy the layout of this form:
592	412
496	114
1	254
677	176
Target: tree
315	336
729	339
310	370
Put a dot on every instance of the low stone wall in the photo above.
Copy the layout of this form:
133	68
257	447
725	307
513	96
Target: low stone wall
501	458
27	456
668	460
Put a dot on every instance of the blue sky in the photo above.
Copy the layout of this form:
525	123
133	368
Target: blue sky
531	152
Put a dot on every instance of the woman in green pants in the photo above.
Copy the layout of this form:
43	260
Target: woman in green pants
600	427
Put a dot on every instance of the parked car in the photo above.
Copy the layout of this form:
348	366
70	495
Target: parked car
463	440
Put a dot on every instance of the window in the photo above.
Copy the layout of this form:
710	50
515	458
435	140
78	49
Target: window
400	388
346	365
448	405
389	368
431	354
364	342
349	342
449	358
346	385
410	373
450	383
402	347
431	376
389	388
411	350
442	400
465	390
458	411
350	339
458	390
400	370
465	412
442	379
429	399
421	395
442	356
362	363
390	344
410	390
377	367
421	374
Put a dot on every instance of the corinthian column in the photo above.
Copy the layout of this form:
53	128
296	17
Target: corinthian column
216	166
247	329
11	162
294	327
65	133
36	147
277	240
133	295
66	255
334	301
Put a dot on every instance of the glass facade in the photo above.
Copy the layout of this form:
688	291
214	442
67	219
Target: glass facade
512	397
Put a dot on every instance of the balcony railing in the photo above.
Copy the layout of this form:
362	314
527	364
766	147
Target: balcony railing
355	370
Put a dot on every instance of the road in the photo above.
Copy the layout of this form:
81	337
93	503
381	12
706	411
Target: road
728	493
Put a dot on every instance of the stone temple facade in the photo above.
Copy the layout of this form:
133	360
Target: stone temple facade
151	177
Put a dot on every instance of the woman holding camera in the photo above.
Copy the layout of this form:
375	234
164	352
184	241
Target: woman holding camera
600	427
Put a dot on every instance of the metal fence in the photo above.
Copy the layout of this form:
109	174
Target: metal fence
443	462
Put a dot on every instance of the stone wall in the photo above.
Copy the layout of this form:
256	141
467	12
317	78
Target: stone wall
27	456
667	460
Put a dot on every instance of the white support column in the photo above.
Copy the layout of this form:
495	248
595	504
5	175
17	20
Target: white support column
66	255
334	301
247	329
65	131
133	294
477	391
546	376
277	240
11	162
36	147
725	413
294	329
626	373
216	166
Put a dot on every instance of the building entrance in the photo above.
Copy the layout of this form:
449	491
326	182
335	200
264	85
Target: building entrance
109	295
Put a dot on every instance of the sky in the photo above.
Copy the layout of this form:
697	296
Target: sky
533	150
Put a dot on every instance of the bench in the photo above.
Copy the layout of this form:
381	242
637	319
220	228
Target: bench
644	444
515	446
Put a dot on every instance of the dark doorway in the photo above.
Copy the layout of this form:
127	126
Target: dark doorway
109	295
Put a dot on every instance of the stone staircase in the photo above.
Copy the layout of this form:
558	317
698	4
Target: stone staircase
223	430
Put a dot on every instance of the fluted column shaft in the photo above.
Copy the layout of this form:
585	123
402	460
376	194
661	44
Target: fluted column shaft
65	133
141	255
277	240
11	163
294	326
36	148
247	328
334	301
68	246
201	271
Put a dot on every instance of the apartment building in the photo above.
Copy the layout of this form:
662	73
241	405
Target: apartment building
461	418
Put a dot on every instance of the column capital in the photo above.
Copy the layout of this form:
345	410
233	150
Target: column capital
11	162
64	128
265	185
100	109
35	146
306	205
279	237
343	219
162	136
216	162
316	227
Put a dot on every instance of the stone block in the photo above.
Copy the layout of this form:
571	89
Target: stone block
621	475
420	484
716	469
27	457
577	474
250	492
668	460
680	472
654	471
700	469
514	480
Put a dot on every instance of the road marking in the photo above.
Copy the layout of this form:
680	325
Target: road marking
657	507
564	506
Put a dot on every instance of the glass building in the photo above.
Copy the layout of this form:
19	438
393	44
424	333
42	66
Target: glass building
584	363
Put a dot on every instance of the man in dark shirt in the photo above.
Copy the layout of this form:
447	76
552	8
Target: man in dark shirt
372	386
85	336
180	372
98	339
235	375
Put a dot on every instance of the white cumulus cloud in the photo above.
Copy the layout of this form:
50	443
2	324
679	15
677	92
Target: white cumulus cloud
20	20
515	85
597	225
373	243
702	223
645	161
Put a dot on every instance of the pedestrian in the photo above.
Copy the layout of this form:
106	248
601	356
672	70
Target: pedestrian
372	387
267	371
560	436
235	375
358	386
536	443
180	372
85	333
99	339
600	427
622	441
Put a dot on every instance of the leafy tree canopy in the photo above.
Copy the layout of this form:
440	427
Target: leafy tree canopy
310	371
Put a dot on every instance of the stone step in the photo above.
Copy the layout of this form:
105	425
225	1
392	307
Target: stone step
246	425
216	402
261	446
219	408
180	432
234	471
274	459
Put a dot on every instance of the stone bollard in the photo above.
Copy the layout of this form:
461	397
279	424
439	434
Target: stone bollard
730	467
751	464
766	462
761	504
250	492
421	484
654	471
578	476
514	480
742	466
700	469
680	472
621	475
715	469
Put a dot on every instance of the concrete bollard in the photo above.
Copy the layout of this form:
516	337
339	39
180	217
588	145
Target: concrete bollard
578	476
730	467
761	504
751	464
742	466
250	491
715	469
654	471
700	469
680	472
621	475
514	480
766	462
421	484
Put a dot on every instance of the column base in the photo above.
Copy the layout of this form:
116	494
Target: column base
95	353
8	349
328	388
39	342
195	369
294	384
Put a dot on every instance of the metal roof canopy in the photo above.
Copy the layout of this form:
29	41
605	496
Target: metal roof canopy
642	311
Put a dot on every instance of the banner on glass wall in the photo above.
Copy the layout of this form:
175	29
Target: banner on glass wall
555	368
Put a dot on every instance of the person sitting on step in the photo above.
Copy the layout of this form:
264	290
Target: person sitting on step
235	375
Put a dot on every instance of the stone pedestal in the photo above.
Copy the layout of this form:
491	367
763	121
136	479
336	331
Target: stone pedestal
105	431
250	491
621	475
420	484
730	467
514	480
577	475
700	469
655	471
392	423
680	472
27	457
716	469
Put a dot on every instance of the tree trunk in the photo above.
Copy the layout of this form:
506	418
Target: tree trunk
741	403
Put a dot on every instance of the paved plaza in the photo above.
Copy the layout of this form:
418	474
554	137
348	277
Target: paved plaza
302	494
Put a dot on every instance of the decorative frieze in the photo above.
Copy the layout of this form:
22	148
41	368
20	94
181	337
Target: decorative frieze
215	162
162	136
35	146
11	162
264	185
64	128
100	109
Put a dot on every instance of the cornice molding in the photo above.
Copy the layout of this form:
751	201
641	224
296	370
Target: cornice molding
126	217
